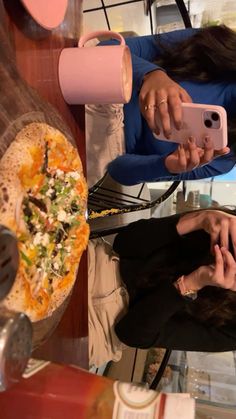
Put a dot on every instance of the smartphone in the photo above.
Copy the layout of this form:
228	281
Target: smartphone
199	121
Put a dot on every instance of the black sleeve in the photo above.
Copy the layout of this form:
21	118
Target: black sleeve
160	319
183	332
141	324
143	237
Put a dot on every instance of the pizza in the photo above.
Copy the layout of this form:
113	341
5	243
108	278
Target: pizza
43	197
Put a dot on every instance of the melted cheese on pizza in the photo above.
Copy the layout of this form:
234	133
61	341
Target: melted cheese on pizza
53	209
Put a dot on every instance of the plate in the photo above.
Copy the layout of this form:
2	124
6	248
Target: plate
47	13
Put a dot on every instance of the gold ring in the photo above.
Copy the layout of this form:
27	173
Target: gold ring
147	107
161	102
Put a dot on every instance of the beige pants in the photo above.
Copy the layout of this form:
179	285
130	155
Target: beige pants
104	138
107	302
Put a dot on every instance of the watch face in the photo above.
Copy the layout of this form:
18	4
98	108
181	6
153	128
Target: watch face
191	295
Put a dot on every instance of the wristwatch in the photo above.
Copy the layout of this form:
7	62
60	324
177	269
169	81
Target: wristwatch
186	293
190	294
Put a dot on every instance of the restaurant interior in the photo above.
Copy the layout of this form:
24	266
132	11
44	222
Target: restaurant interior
46	366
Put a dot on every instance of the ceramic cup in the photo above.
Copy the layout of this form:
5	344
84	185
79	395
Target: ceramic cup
96	74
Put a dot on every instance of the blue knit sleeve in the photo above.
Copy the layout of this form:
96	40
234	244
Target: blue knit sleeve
131	169
146	49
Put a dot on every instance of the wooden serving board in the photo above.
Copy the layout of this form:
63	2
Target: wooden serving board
20	105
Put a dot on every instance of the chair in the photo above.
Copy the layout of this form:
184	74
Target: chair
182	10
104	201
161	370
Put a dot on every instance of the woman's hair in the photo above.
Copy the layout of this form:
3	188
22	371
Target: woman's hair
208	55
214	305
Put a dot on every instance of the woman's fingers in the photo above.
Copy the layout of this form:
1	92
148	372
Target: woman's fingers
229	260
208	151
163	111
230	269
148	109
194	157
219	264
175	108
215	234
232	232
224	233
182	159
221	152
184	96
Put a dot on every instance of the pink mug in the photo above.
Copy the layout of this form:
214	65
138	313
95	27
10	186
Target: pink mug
97	74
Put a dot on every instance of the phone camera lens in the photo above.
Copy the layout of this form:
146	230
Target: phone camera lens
215	116
208	123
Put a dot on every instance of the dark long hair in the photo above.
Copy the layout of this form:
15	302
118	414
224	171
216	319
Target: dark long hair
214	306
209	55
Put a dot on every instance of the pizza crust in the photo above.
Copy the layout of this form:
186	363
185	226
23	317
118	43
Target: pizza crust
30	141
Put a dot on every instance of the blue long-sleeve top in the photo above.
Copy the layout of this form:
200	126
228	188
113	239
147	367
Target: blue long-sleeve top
144	160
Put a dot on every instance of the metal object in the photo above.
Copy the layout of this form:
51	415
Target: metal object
105	201
15	346
15	328
9	260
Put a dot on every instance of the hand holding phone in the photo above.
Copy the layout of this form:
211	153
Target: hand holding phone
198	121
189	156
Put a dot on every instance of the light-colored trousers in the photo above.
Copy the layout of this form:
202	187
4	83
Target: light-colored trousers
104	138
107	303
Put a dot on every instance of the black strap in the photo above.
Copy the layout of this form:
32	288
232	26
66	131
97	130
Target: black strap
184	13
161	370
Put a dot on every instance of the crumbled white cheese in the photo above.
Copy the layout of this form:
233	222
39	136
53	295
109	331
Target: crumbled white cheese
51	181
49	192
61	216
59	173
59	246
45	239
72	192
56	266
74	175
37	238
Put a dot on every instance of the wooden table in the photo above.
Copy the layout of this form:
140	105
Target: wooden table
36	54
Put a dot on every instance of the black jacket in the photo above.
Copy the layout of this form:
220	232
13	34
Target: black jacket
157	314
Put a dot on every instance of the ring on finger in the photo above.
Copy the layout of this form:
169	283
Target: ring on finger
148	107
162	101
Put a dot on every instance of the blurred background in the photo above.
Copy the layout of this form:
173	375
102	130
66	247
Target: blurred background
126	16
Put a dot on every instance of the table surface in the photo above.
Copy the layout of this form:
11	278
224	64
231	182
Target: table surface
36	52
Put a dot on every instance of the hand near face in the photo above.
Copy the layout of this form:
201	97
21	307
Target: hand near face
221	274
221	226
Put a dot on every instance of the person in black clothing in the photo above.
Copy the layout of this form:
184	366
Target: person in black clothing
180	274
